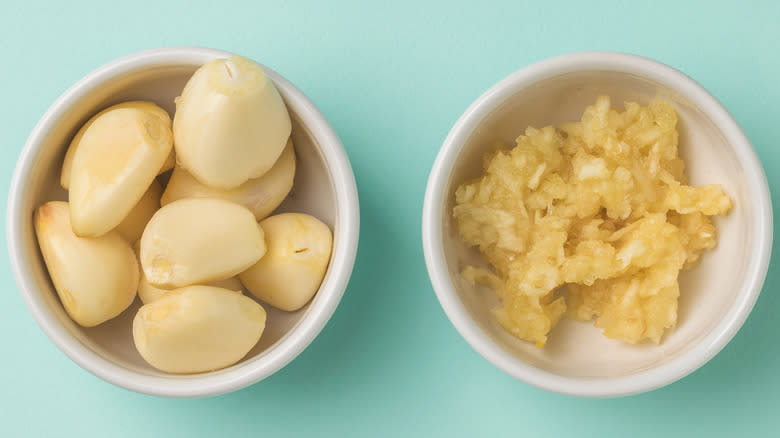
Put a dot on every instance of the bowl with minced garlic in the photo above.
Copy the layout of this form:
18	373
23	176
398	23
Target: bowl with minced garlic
182	222
597	224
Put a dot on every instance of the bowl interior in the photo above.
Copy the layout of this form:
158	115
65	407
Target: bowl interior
313	193
576	349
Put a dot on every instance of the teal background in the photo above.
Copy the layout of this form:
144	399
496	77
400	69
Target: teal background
392	78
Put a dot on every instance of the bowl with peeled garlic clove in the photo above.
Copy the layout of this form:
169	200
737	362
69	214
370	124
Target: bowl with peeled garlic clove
182	222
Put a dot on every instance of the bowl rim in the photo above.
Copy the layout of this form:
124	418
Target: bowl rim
435	200
287	348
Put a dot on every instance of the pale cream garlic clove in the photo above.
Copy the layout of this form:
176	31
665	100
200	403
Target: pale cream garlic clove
230	124
232	283
132	227
117	159
197	241
96	278
148	293
197	328
260	195
169	163
149	107
297	256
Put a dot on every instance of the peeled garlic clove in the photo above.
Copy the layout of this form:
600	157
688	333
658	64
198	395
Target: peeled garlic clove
132	227
148	293
96	278
290	272
260	195
230	123
197	328
232	283
138	104
117	159
169	163
196	241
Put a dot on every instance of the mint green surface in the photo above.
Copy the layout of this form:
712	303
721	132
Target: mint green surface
392	78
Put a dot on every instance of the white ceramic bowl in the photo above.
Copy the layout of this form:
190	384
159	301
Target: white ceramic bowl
324	186
716	297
